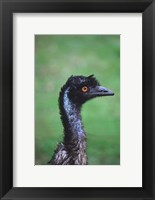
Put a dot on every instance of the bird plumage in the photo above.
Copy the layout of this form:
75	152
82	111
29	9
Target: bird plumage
76	91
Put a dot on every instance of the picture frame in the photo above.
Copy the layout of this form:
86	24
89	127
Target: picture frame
147	8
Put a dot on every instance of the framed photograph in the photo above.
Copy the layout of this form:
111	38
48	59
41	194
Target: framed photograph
77	100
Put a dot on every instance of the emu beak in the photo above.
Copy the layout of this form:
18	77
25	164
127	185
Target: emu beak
101	91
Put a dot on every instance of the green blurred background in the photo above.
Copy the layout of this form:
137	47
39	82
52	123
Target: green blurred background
56	58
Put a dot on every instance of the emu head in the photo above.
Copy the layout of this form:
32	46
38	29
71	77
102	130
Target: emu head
82	88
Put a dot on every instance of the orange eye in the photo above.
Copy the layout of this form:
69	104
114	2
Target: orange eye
85	89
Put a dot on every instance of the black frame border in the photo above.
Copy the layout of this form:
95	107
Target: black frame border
7	8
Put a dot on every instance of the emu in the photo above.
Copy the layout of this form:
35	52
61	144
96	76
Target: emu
76	91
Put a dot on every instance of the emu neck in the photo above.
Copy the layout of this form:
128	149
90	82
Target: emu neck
70	116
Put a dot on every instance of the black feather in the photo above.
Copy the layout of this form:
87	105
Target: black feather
72	151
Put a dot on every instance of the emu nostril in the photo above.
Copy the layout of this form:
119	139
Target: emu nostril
101	89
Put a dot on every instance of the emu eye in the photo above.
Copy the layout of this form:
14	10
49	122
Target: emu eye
84	89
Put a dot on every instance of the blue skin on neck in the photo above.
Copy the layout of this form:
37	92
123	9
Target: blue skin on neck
72	113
